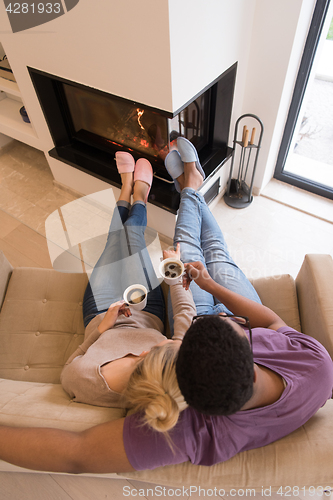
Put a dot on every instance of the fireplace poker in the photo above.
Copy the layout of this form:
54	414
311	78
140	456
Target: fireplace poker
246	138
239	172
249	155
244	132
252	136
242	161
239	177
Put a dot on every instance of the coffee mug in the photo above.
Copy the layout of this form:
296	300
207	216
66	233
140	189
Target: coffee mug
172	270
136	296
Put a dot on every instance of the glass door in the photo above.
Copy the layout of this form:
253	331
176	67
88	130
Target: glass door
306	154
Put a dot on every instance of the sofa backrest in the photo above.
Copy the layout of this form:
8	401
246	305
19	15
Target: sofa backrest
40	323
315	290
279	294
41	319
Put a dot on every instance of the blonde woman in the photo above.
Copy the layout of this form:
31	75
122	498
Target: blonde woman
120	340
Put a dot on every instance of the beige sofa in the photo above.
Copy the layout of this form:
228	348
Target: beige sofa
41	325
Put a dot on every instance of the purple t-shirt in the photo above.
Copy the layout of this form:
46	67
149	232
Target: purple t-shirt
206	440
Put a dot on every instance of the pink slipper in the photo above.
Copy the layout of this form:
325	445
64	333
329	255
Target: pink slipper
144	172
125	162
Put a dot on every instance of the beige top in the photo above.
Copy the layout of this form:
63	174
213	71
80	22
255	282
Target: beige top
81	376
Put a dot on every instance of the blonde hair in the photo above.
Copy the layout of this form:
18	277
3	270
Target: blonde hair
153	388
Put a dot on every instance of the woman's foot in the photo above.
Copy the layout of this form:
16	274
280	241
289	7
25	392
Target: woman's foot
127	184
143	178
125	165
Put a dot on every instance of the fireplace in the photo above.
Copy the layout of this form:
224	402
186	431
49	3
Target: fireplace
88	126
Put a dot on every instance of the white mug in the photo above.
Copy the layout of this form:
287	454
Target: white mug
136	296
172	270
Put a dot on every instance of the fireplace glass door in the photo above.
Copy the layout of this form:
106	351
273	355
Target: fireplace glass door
102	118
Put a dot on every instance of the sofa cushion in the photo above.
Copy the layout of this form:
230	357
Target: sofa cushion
40	323
33	404
279	294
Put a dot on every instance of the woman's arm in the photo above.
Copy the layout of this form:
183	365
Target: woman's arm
92	334
259	315
115	310
99	449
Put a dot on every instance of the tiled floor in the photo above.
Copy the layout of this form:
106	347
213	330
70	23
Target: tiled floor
27	191
266	238
270	238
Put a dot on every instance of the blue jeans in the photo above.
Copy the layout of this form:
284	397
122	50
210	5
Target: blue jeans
125	261
201	239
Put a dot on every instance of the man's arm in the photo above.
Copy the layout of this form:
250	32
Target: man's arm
99	449
259	315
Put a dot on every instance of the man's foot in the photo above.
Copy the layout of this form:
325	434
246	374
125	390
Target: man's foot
193	172
192	177
181	181
184	166
175	168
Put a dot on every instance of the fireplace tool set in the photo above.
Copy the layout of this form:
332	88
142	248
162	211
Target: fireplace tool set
239	193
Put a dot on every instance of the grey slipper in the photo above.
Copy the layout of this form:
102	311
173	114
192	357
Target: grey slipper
174	166
188	153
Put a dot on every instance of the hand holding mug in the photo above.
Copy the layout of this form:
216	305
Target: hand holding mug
115	310
197	272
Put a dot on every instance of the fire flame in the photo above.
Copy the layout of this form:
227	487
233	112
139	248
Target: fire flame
140	113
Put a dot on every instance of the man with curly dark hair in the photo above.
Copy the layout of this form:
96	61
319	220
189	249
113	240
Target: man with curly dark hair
212	350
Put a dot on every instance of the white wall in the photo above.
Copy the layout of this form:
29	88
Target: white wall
118	46
207	37
278	36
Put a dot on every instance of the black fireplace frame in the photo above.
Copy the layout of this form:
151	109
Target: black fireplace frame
99	161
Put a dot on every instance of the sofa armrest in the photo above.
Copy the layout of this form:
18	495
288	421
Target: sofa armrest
314	285
5	274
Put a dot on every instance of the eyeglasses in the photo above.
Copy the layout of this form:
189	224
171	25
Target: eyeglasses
240	320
